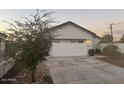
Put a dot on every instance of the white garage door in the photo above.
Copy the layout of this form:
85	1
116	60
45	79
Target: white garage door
68	49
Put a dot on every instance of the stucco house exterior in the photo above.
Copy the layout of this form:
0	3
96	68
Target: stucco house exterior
2	44
72	40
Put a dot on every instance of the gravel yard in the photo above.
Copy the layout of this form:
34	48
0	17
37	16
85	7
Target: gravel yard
42	76
16	75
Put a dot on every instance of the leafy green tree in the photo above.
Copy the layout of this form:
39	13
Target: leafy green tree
32	39
106	39
122	39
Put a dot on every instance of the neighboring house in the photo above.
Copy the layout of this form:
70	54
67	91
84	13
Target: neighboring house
72	40
2	44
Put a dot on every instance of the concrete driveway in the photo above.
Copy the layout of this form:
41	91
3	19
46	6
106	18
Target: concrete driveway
83	70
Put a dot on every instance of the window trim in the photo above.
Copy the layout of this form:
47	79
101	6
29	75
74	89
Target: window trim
69	40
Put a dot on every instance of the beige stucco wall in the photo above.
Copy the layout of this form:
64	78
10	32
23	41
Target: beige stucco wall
73	32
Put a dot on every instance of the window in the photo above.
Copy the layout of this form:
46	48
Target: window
68	41
72	41
56	41
64	41
80	41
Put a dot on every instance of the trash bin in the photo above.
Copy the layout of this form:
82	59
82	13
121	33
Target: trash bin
91	52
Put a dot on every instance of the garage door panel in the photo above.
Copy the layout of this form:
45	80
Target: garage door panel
68	49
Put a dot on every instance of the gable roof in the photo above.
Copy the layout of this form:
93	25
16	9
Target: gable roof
69	22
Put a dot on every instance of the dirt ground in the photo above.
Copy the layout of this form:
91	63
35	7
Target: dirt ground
119	61
42	76
16	75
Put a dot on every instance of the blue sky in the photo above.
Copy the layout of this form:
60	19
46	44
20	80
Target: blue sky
97	20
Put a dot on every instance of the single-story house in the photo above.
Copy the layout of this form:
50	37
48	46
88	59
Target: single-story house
72	40
2	44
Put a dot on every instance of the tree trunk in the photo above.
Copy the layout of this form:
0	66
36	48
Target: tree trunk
33	75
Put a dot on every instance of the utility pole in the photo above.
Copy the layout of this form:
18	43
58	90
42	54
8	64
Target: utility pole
111	31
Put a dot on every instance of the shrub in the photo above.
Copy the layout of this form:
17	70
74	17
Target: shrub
91	52
10	49
111	51
31	40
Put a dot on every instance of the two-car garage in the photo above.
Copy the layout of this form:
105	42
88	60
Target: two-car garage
66	48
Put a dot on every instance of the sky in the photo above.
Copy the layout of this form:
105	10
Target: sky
95	20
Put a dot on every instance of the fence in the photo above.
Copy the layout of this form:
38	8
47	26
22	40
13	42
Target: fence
5	66
120	46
